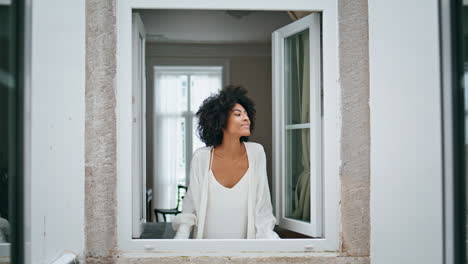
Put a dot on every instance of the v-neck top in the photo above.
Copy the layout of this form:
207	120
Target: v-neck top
260	218
226	214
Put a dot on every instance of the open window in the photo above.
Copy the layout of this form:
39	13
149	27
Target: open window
298	126
282	70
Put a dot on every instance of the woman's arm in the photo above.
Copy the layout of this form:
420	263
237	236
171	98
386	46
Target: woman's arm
264	219
184	222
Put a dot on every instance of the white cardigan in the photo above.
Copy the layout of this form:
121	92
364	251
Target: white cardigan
260	219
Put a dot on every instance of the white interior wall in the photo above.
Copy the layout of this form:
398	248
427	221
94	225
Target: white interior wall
406	153
56	130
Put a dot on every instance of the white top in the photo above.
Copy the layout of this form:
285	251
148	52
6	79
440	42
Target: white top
226	205
260	219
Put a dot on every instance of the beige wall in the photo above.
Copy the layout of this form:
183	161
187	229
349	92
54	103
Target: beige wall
249	65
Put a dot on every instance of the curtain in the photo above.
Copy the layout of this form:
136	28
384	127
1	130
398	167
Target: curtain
170	136
300	77
203	85
168	115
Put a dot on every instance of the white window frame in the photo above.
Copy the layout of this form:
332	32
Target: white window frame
329	244
280	106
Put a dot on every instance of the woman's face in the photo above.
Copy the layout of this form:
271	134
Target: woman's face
238	123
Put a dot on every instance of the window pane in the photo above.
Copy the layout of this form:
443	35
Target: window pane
171	93
170	104
181	150
297	78
11	131
297	176
465	90
10	170
202	86
197	143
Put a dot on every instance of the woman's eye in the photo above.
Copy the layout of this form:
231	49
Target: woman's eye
237	114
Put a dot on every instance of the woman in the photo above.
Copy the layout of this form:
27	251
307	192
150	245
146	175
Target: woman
228	194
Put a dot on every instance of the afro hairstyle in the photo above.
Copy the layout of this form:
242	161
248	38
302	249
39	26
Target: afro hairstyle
214	112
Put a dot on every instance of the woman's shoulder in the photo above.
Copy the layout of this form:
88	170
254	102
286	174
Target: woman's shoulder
254	146
201	152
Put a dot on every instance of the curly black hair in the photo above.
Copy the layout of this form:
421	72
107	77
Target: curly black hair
214	113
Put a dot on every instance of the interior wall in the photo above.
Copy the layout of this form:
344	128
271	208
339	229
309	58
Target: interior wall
249	66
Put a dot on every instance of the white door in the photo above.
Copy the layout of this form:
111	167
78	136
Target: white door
138	127
298	125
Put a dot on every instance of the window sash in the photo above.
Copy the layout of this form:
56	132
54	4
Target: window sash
314	228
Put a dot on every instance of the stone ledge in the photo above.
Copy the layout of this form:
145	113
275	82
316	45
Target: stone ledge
236	260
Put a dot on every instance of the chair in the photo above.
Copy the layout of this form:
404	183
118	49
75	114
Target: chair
149	199
173	211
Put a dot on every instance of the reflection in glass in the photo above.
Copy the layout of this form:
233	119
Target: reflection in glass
297	181
9	133
297	78
297	141
465	90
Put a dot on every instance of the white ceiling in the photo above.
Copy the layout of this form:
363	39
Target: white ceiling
211	26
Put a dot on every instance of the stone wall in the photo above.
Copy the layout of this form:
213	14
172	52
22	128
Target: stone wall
100	131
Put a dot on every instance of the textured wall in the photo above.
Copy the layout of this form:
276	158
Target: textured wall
100	131
355	131
242	260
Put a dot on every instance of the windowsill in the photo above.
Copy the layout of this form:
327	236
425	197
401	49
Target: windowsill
226	254
230	247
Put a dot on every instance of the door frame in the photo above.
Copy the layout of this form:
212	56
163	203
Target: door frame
329	245
138	152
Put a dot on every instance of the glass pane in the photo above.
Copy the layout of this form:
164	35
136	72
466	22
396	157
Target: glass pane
10	131
197	143
465	84
171	93
181	150
202	86
297	78
297	177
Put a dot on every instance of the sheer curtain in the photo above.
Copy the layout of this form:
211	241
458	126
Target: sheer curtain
203	86
174	116
168	115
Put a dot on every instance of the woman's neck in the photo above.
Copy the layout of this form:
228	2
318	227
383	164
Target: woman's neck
230	148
